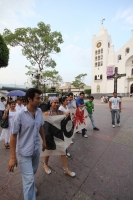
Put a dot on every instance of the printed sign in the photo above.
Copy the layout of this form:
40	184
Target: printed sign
110	71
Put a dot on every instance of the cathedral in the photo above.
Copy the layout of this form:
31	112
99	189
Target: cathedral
104	61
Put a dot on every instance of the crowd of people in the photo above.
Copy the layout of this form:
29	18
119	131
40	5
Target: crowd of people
26	125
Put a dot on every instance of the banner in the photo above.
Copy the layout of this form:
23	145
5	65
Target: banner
59	130
110	72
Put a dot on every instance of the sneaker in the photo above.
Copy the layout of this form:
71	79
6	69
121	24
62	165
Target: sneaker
68	155
119	125
97	129
86	136
113	126
78	132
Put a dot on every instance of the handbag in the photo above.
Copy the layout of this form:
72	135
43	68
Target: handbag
4	122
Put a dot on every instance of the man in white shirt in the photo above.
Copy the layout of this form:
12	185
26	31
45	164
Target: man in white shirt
2	107
71	101
19	104
115	108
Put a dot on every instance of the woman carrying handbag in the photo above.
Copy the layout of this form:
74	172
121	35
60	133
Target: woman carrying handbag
7	119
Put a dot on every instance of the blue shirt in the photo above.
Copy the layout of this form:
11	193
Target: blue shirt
27	129
79	101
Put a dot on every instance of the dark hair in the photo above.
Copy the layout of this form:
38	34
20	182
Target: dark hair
30	93
81	93
114	92
91	97
63	99
2	98
10	102
70	94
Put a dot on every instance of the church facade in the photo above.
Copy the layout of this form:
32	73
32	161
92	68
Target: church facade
104	61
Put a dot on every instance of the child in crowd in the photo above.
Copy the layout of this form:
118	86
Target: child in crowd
90	108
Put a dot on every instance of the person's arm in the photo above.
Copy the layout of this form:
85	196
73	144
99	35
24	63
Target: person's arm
93	107
13	140
13	160
81	105
5	114
43	138
120	106
110	105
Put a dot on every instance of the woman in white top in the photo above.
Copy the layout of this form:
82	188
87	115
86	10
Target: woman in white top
52	110
65	110
5	134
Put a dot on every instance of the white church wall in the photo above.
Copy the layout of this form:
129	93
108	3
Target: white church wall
104	38
110	58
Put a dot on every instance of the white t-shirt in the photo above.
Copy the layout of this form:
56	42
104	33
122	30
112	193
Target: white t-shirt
18	107
64	110
115	102
2	105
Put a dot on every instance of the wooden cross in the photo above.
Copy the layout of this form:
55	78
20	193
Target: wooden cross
115	76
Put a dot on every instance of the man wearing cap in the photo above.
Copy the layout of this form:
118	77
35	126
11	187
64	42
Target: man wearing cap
19	104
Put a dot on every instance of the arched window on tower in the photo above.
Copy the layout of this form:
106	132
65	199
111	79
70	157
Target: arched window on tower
101	57
96	58
119	58
95	64
131	71
101	77
95	52
101	50
127	51
98	63
95	78
101	63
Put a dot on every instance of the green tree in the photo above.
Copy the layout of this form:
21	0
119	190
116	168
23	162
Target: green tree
4	53
47	79
37	44
78	82
87	91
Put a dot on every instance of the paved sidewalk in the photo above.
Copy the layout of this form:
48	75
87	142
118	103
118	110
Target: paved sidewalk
103	163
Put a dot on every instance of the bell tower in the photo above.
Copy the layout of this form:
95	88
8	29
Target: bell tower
100	49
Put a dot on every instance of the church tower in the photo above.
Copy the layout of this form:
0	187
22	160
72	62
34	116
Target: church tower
101	44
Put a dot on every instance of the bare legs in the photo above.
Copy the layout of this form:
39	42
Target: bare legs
64	162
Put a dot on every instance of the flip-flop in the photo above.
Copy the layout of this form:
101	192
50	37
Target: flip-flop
7	146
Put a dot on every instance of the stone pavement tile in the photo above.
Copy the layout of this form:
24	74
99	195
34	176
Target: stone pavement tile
54	186
81	196
4	197
124	138
14	192
112	177
84	158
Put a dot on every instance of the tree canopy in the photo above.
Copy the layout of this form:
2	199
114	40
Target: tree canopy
78	82
4	53
47	78
87	91
37	44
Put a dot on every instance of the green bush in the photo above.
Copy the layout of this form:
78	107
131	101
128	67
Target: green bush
4	53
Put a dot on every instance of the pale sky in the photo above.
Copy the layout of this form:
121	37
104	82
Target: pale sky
77	20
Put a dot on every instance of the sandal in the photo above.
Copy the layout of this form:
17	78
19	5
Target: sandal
69	173
7	146
36	191
47	169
